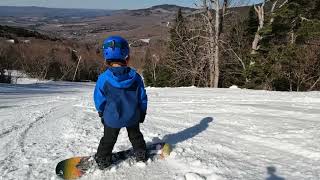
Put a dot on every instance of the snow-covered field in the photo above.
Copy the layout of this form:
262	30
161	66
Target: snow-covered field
216	133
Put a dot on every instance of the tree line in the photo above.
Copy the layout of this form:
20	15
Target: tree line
275	46
46	57
55	60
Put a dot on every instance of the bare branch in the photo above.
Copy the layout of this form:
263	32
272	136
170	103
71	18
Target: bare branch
284	3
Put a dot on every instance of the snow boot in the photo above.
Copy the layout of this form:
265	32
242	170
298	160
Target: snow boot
141	155
103	162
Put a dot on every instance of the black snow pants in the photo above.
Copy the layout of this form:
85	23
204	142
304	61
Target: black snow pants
109	139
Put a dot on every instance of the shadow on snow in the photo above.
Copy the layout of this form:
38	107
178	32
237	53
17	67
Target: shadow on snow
186	134
271	170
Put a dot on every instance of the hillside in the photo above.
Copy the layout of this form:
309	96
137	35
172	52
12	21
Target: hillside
88	25
92	25
17	32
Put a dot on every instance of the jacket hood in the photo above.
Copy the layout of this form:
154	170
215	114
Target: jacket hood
121	77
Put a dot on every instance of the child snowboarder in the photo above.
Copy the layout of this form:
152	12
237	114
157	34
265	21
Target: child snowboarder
121	101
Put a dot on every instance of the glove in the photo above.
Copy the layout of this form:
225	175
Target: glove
101	117
142	116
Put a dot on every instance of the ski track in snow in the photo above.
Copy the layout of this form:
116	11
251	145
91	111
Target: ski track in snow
216	133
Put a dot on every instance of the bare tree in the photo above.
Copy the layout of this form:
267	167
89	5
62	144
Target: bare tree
214	29
257	38
186	46
314	84
261	13
154	64
212	37
307	73
77	67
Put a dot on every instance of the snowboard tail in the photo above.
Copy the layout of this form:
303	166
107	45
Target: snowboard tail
67	169
76	167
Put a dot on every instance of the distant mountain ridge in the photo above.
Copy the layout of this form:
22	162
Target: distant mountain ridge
161	9
171	7
34	11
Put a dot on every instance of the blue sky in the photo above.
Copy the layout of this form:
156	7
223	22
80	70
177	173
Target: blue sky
100	4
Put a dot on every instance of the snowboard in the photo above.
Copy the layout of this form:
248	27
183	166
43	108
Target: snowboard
76	167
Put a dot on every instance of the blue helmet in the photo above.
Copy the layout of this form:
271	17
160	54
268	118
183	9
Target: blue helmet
115	48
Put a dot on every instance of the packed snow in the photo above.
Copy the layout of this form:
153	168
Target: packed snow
217	134
145	40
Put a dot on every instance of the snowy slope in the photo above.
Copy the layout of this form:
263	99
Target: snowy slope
216	133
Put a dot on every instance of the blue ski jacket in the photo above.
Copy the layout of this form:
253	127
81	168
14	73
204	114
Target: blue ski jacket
121	97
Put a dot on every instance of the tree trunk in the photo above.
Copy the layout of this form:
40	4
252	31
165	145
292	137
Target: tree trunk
211	43
292	37
272	10
260	13
75	72
154	72
214	38
193	80
215	79
311	88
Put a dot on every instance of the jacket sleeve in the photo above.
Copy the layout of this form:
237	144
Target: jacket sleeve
99	95
143	96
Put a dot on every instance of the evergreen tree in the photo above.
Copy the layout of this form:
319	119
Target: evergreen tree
251	24
284	42
240	37
315	13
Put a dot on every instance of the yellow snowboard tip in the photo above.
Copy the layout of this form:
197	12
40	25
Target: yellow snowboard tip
166	150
